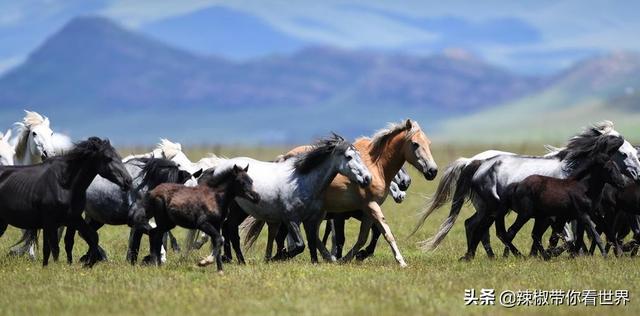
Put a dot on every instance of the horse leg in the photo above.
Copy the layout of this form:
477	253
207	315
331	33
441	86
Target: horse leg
376	213
363	235
506	237
296	236
135	237
174	242
338	232
26	244
273	231
46	249
328	229
53	242
540	226
281	249
90	236
216	239
69	240
227	256
312	238
155	245
591	228
371	248
482	228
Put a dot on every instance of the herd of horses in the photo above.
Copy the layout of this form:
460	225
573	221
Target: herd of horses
47	183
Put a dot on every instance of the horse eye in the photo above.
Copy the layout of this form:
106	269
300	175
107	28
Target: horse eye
34	134
415	145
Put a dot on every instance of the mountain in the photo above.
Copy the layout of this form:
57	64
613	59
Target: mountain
95	77
603	87
224	32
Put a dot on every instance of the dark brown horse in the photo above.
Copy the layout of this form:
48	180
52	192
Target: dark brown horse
576	197
203	207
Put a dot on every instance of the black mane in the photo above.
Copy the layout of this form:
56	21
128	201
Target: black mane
87	148
321	150
585	145
212	180
156	171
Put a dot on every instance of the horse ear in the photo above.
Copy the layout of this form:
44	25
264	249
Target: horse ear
7	135
246	168
46	121
408	124
236	169
197	174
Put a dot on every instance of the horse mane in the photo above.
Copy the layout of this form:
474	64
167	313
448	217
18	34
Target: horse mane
586	144
169	149
30	120
86	148
151	172
319	152
212	180
380	138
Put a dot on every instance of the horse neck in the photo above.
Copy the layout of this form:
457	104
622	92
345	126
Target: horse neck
594	184
391	157
319	178
81	177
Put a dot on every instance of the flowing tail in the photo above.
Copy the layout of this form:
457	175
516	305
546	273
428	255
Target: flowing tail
462	192
443	192
250	229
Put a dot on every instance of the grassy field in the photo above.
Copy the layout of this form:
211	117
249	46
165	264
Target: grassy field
434	283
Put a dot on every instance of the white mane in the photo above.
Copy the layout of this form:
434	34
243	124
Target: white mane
30	120
169	149
210	161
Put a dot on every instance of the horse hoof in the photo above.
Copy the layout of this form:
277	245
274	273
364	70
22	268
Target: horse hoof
84	259
403	265
226	259
220	272
206	261
361	255
465	258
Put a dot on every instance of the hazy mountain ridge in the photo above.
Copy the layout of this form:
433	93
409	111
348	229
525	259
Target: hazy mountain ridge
93	67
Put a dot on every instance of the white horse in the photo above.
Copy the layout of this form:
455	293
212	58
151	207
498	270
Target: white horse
6	150
34	143
493	174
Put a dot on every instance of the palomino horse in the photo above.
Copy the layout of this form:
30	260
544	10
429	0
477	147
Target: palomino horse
52	193
384	154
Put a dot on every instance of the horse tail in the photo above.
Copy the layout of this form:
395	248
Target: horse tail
250	229
443	193
462	192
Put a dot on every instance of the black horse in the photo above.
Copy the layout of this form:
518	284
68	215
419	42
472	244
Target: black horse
53	193
576	197
202	207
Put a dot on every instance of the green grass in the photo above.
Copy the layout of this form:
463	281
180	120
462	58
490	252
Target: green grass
434	282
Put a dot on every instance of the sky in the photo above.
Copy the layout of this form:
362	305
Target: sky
532	37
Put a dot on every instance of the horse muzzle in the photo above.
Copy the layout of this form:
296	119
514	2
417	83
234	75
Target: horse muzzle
431	173
366	181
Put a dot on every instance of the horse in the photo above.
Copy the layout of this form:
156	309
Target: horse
108	204
485	185
398	187
384	154
173	151
575	197
6	150
33	143
53	193
292	192
203	207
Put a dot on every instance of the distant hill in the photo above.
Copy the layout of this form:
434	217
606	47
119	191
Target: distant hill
605	87
95	77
